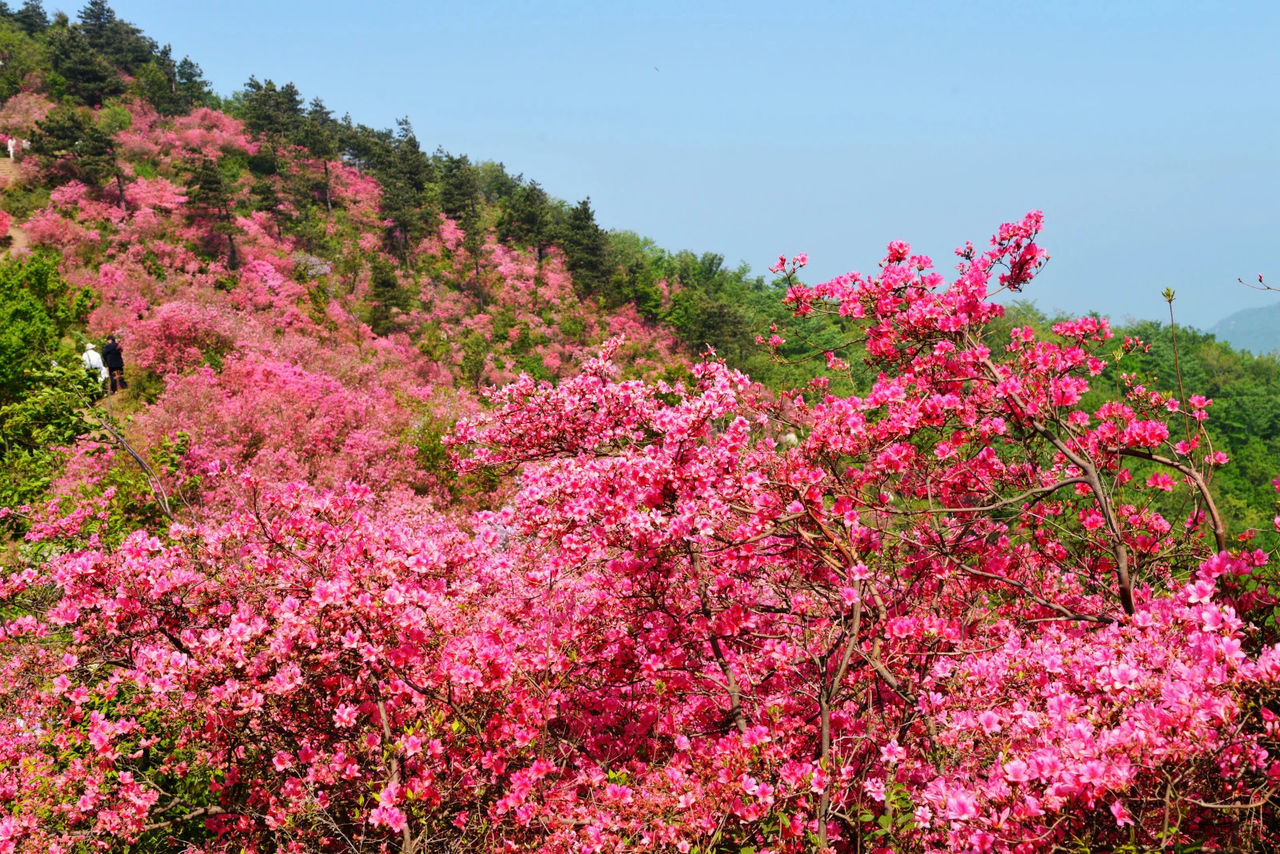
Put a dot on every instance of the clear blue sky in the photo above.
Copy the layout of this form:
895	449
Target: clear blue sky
1147	132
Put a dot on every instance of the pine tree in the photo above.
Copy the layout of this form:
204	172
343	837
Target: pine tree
191	87
408	179
586	248
89	76
459	189
31	18
526	218
272	112
265	197
460	199
319	136
121	43
209	197
496	184
96	19
386	294
70	145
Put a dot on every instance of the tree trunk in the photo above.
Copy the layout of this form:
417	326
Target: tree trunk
824	802
328	202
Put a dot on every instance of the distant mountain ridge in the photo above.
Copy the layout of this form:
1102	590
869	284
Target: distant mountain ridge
1254	329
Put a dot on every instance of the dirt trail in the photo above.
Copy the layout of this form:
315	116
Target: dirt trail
19	242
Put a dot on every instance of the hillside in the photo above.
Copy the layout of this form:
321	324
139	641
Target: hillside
434	518
1256	329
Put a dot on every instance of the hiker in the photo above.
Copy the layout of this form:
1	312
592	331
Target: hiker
10	141
92	361
113	357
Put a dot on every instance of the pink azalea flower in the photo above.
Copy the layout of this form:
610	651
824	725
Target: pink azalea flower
1016	771
961	806
345	715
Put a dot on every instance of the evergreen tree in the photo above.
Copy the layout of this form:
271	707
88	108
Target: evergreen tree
89	76
408	179
496	184
154	84
70	145
56	135
209	198
386	294
586	248
461	200
264	196
119	42
704	321
635	275
459	189
32	18
363	147
172	88
319	135
526	218
191	87
272	112
98	162
96	19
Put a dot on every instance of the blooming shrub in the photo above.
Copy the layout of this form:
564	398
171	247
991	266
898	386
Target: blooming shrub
179	336
283	423
980	605
20	113
949	618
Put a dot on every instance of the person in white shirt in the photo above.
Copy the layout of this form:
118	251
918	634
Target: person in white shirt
92	360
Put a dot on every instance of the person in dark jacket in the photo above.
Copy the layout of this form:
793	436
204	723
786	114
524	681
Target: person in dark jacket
113	358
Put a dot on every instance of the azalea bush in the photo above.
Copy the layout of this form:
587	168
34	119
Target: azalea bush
945	614
960	610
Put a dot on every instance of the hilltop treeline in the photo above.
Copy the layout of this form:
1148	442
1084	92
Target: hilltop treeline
86	63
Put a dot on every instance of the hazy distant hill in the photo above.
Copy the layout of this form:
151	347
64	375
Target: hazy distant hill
1254	329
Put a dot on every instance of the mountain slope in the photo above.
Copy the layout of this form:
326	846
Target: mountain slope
1254	329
